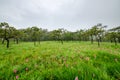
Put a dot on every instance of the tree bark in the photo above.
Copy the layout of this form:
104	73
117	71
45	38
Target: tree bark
100	39
7	43
111	41
16	40
119	39
98	42
61	41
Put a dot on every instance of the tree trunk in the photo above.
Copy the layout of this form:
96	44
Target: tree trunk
100	39
111	40
61	41
119	39
98	42
7	43
16	40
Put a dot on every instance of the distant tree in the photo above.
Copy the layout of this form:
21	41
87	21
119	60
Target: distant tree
80	34
16	34
34	34
67	35
93	33
5	32
24	35
40	34
57	35
114	34
100	31
97	32
45	35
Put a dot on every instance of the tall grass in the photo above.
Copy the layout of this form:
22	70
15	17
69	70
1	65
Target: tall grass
54	61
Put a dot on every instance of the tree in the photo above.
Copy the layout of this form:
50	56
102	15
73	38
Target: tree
15	34
67	35
40	34
34	34
58	35
115	34
93	33
5	33
100	32
97	32
80	34
90	32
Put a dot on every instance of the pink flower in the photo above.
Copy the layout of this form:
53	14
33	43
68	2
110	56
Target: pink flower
17	77
76	78
26	69
15	71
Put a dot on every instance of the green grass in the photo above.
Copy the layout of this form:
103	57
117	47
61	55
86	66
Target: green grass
54	61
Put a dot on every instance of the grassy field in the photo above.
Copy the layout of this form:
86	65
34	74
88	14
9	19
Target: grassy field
54	61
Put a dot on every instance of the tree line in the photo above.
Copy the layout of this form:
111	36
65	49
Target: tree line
35	34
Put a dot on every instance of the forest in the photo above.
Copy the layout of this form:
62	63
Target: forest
35	34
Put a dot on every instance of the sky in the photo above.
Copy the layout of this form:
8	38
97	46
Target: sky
53	14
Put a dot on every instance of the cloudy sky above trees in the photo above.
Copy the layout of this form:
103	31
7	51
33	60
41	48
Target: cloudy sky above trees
53	14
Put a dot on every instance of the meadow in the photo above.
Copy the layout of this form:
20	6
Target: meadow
51	60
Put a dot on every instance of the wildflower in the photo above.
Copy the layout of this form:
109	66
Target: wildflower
17	77
76	78
87	58
15	71
26	69
81	57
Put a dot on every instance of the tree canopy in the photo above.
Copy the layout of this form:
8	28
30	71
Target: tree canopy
35	33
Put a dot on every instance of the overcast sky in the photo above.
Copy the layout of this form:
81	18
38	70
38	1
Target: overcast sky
53	14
